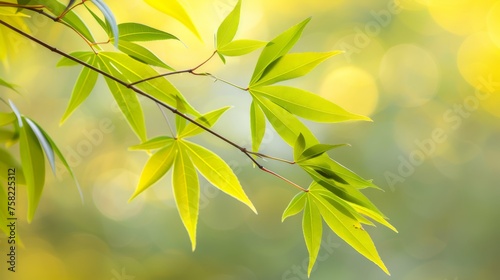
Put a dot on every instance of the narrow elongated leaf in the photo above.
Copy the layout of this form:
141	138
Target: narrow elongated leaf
17	113
317	150
286	124
217	172
47	148
71	17
132	71
306	104
240	47
70	3
7	118
8	161
257	125
312	226
228	28
33	164
101	22
156	167
61	158
126	99
291	66
373	215
8	85
209	120
299	146
277	48
8	137
180	122
136	32
142	54
154	143
187	193
174	9
345	225
295	206
108	15
83	56
82	89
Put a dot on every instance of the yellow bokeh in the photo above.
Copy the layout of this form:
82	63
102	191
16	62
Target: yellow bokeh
478	59
409	75
460	16
493	21
352	88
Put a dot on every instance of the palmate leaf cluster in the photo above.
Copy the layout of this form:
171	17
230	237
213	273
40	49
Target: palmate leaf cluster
129	68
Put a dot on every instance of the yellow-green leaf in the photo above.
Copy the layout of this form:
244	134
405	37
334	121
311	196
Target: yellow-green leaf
228	28
156	167
277	48
208	120
174	9
141	54
286	124
306	104
33	164
240	47
317	150
126	99
135	32
82	89
186	192
7	118
217	172
312	226
291	66
295	206
345	225
154	143
258	125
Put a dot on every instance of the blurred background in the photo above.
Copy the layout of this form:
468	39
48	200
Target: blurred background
427	73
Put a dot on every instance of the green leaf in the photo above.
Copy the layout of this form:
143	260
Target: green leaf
33	164
126	99
306	104
299	146
295	206
291	66
8	161
8	85
108	15
217	172
240	47
7	118
187	192
160	88
208	120
228	28
317	150
83	56
277	48
82	89
258	125
136	32
286	124
8	137
180	122
154	143
101	22
174	9
47	148
70	18
345	225
312	226
141	54
373	215
61	158
156	167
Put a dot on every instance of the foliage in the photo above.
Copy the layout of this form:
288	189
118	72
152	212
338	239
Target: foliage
334	195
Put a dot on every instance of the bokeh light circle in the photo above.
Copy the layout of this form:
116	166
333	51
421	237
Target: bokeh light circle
409	75
351	88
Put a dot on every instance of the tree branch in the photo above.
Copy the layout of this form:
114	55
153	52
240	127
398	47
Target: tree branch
140	92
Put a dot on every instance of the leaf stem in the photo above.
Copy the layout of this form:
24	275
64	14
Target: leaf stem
271	157
159	102
219	79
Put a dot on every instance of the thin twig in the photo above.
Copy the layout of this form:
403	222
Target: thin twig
140	92
271	157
